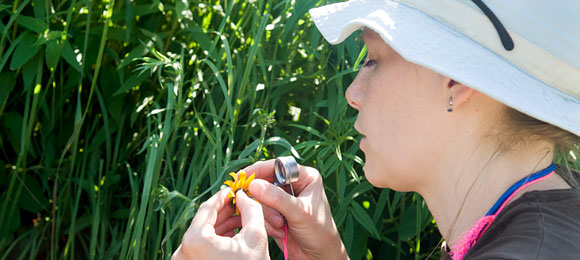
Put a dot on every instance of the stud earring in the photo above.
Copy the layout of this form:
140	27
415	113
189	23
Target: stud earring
450	109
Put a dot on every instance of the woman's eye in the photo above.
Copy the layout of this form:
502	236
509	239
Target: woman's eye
370	63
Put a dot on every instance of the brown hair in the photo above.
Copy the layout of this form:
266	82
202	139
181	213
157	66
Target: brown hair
565	143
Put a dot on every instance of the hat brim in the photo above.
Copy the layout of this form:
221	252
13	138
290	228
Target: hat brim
423	40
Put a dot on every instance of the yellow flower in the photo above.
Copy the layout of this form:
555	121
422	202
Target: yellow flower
239	183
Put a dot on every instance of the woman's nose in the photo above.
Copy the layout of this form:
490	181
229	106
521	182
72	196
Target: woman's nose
354	94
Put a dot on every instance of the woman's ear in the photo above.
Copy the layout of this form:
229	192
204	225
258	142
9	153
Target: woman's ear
459	93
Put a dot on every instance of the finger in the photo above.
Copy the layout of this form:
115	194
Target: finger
229	234
263	169
201	232
253	225
208	211
307	177
228	225
276	198
272	217
225	213
274	232
274	223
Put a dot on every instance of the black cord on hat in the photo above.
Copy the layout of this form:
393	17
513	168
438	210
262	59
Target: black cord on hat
504	36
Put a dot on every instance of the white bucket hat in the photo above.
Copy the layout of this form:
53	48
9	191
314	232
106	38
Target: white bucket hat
538	74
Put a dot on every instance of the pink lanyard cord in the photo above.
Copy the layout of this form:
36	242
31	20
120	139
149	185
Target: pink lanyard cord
285	228
460	248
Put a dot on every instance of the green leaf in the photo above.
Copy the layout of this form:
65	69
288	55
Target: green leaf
120	214
13	123
129	16
395	202
250	149
358	189
4	7
53	53
133	80
223	87
341	182
299	13
24	51
380	206
182	10
348	232
361	216
408	227
8	81
32	199
235	165
13	221
339	215
361	55
310	130
348	167
359	245
69	55
29	71
137	52
35	25
282	142
40	9
162	197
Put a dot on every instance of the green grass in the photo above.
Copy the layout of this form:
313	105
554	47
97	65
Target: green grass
117	118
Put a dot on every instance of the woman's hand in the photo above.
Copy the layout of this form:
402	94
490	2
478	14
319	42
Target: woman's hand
211	236
312	233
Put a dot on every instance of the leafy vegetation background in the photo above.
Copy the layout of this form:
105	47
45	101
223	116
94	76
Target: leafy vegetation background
117	118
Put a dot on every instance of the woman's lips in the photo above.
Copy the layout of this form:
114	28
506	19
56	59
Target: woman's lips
363	139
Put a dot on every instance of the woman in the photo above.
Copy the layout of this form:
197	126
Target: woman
464	102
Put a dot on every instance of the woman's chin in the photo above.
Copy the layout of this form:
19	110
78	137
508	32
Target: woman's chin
380	179
373	176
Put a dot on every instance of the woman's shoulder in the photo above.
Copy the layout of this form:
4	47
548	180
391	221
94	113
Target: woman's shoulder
538	225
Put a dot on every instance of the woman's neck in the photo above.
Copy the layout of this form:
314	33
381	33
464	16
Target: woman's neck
474	182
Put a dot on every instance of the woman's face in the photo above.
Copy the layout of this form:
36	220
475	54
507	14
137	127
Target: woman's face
402	115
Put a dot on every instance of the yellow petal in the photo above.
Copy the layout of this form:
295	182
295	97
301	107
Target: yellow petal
231	195
242	176
231	184
236	186
247	182
233	174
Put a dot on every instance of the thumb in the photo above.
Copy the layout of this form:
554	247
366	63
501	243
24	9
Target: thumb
252	217
276	198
